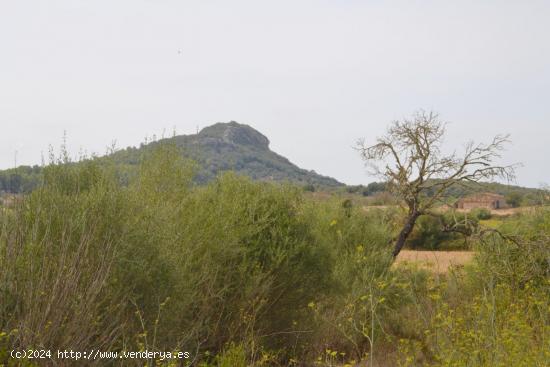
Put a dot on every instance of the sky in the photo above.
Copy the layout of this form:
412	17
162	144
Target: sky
313	76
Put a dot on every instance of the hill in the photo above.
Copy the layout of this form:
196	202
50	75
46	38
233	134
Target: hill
216	148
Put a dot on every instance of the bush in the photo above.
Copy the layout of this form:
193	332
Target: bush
358	244
433	232
481	214
159	264
309	188
514	199
57	249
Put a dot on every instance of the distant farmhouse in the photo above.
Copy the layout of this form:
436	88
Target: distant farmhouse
485	200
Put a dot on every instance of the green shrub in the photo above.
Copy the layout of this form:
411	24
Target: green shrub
358	244
514	199
481	214
446	231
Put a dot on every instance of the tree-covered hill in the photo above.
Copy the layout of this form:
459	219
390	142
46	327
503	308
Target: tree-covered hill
240	148
217	148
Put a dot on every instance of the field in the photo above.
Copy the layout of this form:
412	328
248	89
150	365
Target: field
436	261
505	212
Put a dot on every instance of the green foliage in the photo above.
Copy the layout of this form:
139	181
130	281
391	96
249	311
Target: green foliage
501	329
252	273
481	213
22	179
428	233
369	190
524	258
159	263
359	246
530	196
309	188
234	356
432	232
514	199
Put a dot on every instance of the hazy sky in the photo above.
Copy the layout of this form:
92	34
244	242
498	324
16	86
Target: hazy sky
313	76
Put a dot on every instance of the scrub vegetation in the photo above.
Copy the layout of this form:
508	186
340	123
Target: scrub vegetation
243	273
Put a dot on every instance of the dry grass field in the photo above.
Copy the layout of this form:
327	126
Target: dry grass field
498	212
436	261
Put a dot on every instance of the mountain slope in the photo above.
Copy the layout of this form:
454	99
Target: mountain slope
240	148
217	148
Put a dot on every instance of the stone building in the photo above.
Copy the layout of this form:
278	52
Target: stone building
485	200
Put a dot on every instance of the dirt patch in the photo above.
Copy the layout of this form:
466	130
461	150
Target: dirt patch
512	211
436	261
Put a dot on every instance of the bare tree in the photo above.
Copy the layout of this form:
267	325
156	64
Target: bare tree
410	160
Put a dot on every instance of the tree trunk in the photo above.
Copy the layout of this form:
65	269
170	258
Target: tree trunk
405	232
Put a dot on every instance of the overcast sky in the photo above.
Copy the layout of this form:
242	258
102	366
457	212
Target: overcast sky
313	76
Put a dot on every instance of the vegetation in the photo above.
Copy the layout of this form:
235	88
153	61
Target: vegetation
244	273
371	189
515	196
514	199
163	264
526	196
23	179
